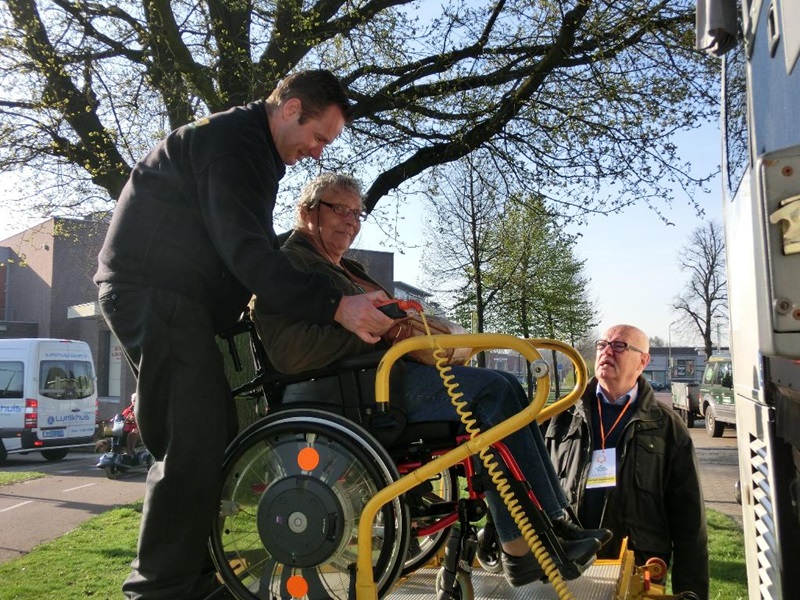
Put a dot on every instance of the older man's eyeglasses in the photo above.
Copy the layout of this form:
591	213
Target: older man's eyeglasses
617	346
343	210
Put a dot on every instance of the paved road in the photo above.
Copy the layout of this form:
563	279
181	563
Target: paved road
718	460
43	509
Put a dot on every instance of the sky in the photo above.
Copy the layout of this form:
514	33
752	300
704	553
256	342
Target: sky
631	257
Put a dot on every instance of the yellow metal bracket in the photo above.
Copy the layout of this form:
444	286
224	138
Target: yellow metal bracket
365	585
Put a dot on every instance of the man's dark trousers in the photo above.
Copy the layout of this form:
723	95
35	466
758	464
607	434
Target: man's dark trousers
186	417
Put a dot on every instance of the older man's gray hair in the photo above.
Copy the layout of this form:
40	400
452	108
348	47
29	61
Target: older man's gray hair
313	191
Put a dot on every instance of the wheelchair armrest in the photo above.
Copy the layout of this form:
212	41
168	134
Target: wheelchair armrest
358	362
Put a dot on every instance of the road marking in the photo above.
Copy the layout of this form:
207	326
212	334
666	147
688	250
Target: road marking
80	487
16	506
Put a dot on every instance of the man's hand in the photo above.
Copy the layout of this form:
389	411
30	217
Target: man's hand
359	315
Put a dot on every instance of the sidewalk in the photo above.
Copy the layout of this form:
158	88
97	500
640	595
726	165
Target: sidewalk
718	459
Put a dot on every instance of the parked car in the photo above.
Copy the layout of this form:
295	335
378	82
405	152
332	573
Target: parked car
659	386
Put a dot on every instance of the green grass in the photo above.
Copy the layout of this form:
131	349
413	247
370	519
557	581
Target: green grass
89	562
93	560
726	558
7	477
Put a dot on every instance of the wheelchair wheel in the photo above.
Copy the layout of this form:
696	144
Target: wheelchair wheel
294	486
488	551
463	589
421	549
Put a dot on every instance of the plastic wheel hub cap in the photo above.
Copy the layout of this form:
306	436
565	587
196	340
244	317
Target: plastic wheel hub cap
300	521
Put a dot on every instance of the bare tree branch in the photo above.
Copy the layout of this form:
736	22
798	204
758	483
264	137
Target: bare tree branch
704	305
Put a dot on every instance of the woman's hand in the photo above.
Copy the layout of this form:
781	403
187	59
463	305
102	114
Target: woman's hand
359	315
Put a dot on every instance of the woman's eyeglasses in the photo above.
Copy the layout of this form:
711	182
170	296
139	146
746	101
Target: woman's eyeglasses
343	210
617	346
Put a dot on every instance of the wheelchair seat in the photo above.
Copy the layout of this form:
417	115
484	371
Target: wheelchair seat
347	388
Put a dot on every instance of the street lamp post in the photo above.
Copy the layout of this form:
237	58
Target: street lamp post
669	351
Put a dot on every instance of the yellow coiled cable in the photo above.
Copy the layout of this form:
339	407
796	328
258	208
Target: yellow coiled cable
492	468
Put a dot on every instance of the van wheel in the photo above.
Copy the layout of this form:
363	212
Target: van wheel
55	454
713	427
3	453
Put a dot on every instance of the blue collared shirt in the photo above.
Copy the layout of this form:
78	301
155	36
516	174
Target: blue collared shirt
631	396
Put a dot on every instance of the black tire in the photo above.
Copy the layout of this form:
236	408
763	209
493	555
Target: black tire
281	518
3	453
55	454
713	427
422	549
688	417
488	552
112	472
464	589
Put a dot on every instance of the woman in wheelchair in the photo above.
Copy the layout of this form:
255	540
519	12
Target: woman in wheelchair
328	218
130	430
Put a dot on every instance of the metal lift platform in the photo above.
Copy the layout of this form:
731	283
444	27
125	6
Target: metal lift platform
617	579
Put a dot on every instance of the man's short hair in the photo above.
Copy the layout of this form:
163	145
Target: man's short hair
316	89
313	190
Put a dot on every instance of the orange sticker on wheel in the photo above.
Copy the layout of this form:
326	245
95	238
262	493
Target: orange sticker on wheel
308	459
297	586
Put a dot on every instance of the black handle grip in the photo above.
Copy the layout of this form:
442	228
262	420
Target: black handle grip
393	311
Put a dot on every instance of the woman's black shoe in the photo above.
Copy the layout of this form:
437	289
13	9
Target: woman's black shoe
521	570
567	530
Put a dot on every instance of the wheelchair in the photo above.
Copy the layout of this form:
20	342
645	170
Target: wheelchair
331	494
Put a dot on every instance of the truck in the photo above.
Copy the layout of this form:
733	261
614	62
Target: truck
715	395
760	46
48	396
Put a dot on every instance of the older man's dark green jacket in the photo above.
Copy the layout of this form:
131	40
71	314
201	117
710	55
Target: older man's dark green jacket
657	502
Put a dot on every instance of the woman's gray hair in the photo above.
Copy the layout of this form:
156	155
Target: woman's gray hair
312	192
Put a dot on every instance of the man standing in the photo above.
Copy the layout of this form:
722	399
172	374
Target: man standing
627	463
190	242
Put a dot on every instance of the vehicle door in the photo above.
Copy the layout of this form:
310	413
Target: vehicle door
708	394
12	403
66	397
723	392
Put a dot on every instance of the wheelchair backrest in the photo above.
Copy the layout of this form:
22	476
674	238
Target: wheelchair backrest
346	387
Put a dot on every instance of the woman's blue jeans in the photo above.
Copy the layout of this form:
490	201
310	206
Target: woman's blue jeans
492	396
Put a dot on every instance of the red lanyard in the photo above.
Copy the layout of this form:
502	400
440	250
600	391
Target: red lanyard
603	434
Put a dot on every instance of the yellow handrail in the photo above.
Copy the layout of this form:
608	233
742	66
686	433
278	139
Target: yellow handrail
365	584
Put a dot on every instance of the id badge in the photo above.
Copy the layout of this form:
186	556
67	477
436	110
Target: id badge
603	470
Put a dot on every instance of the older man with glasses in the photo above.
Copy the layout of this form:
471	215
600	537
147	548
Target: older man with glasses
628	464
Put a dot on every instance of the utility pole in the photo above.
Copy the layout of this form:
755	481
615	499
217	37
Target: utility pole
669	351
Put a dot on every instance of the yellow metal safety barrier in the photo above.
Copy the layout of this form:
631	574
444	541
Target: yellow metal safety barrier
365	585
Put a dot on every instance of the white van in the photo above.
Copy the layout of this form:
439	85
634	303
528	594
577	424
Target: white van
48	396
